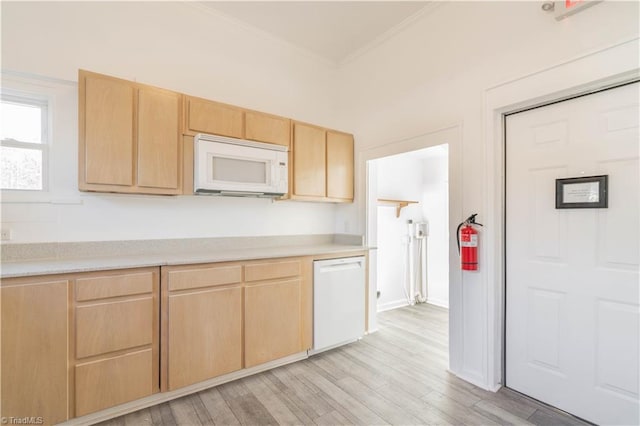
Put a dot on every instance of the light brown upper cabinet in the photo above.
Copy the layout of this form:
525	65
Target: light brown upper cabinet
339	165
267	128
322	164
309	161
214	118
129	137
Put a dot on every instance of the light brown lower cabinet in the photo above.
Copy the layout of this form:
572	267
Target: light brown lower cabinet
35	348
202	322
75	344
272	321
222	317
117	353
205	335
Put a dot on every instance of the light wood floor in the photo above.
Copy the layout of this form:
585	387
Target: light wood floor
395	376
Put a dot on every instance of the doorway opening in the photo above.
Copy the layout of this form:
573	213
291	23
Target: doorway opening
411	195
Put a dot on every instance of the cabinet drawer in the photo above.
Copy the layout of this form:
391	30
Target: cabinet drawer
272	270
204	277
113	326
108	382
113	286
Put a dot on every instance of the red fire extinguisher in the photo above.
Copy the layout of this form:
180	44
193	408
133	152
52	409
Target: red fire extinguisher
468	243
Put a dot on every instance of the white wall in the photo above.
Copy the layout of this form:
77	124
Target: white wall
435	209
399	178
174	45
434	74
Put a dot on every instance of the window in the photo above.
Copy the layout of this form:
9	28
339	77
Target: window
23	142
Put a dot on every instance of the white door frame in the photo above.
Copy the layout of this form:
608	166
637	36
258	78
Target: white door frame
589	72
450	135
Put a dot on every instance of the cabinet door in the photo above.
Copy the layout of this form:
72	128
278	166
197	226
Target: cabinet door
339	165
205	335
214	118
159	149
309	160
34	351
106	132
272	321
267	128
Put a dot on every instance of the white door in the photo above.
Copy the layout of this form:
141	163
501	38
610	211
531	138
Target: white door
572	309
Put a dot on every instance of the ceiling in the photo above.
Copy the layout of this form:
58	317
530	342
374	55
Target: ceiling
334	30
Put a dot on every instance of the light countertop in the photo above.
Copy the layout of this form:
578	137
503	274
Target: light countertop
22	268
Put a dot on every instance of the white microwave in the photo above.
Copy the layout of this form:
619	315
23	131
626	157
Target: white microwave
241	168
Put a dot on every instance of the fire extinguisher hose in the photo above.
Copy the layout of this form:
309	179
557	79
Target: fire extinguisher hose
458	236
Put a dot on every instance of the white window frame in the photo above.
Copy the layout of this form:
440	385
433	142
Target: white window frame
44	102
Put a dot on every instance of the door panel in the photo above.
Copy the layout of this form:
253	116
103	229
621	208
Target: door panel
339	165
108	131
158	139
34	341
572	313
616	360
616	246
214	118
309	160
205	335
545	320
272	321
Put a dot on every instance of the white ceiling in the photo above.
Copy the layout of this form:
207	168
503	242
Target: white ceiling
335	30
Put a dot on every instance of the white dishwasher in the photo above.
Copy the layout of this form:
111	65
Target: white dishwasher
338	302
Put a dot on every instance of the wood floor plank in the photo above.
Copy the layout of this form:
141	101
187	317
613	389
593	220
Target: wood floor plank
341	401
217	407
387	410
397	375
200	409
332	418
162	415
460	413
339	367
544	416
414	405
274	402
509	400
299	393
244	405
291	404
499	415
119	421
443	381
183	412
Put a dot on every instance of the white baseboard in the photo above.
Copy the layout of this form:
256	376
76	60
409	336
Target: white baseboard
392	305
438	302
